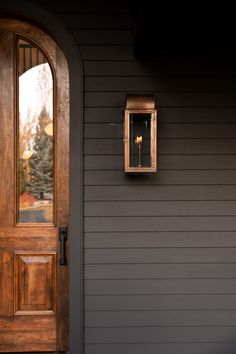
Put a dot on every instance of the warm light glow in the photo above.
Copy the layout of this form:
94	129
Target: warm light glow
138	140
27	154
49	129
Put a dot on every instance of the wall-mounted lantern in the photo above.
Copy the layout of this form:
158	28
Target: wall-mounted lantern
140	134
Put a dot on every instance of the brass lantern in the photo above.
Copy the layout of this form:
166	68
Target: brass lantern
140	134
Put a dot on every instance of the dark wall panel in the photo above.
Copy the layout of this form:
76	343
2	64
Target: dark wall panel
163	99
135	304
160	250
164	348
160	318
177	239
88	6
165	162
166	131
159	334
159	83
178	115
160	271
97	37
180	192
159	223
160	286
165	146
171	255
92	21
161	208
165	177
176	66
107	52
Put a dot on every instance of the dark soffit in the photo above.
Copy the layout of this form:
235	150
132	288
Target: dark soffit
183	27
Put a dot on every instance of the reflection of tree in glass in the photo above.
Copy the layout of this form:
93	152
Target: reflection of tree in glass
26	132
41	162
23	177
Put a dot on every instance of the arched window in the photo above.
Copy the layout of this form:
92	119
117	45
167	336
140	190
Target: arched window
35	123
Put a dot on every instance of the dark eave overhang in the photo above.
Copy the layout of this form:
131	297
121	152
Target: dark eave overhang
183	27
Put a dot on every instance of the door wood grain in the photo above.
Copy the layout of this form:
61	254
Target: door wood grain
33	286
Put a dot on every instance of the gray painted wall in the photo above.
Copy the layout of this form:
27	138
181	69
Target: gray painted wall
159	250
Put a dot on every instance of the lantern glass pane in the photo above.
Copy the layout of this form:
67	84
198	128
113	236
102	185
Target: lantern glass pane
140	139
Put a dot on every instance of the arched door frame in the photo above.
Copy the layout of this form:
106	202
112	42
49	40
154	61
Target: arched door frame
44	18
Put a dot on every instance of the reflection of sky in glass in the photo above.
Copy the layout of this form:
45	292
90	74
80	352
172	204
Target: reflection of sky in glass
35	174
35	92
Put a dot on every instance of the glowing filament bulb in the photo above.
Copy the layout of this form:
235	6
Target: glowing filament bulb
138	140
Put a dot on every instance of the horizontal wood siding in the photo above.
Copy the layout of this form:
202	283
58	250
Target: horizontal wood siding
160	250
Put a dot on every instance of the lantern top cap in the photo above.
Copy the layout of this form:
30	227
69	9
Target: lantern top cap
139	101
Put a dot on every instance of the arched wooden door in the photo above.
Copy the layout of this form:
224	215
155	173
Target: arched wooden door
34	195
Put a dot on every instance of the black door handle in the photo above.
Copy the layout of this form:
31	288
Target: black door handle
63	238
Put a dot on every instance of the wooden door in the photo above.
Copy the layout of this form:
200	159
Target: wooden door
34	117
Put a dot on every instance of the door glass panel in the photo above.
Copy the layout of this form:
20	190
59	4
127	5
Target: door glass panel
35	136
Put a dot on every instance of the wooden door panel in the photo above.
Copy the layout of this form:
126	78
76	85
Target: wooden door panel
36	243
6	284
35	333
29	239
34	312
7	130
34	284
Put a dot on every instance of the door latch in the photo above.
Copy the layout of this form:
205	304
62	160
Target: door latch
63	230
